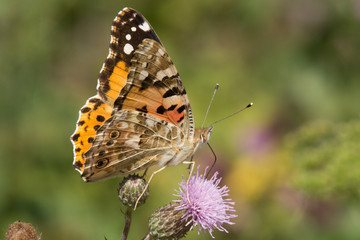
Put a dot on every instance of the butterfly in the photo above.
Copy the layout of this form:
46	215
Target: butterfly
141	115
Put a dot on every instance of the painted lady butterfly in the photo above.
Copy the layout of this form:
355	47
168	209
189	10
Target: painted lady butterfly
141	115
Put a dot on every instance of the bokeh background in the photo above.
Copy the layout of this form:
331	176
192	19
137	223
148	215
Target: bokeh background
291	161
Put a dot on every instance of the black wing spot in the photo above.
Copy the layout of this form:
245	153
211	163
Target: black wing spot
85	109
101	153
90	140
180	119
169	93
176	90
161	110
78	149
75	137
78	165
97	102
143	109
172	107
96	127
181	109
81	123
100	118
158	84
146	83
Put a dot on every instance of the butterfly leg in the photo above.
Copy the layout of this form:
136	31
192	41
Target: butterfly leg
147	185
191	160
188	180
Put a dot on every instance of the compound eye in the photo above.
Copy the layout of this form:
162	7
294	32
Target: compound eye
102	163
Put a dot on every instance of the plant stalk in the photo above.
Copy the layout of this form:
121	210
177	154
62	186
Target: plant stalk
126	230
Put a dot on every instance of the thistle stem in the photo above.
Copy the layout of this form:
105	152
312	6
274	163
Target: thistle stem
128	214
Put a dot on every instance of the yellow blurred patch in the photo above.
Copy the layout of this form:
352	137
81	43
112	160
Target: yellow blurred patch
252	179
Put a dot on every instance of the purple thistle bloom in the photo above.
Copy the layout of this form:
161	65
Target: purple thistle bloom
207	207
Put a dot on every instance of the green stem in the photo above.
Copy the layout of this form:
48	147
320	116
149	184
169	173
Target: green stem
127	223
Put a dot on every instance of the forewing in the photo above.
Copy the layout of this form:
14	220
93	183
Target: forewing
128	30
155	88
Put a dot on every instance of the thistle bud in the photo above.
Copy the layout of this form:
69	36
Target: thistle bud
130	190
167	223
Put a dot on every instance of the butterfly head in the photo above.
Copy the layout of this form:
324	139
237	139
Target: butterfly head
203	134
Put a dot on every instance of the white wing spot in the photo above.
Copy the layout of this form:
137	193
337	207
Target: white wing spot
145	26
133	142
168	71
161	52
123	125
128	37
133	29
149	123
128	48
160	75
143	74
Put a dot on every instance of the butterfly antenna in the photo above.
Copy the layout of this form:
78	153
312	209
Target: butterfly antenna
249	105
207	111
207	174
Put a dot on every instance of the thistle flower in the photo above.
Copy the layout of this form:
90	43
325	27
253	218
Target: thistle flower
204	203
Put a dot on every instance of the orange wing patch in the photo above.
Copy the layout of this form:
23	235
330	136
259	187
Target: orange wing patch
111	80
154	86
92	116
151	101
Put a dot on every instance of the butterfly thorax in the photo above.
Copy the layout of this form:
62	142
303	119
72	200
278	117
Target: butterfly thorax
190	146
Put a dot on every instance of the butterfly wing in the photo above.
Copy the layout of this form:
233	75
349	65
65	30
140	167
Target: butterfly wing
128	30
154	87
151	122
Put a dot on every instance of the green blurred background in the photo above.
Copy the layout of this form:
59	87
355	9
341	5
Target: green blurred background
291	162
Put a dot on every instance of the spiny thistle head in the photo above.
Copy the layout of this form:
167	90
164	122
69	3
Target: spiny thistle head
130	190
204	203
21	231
167	223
